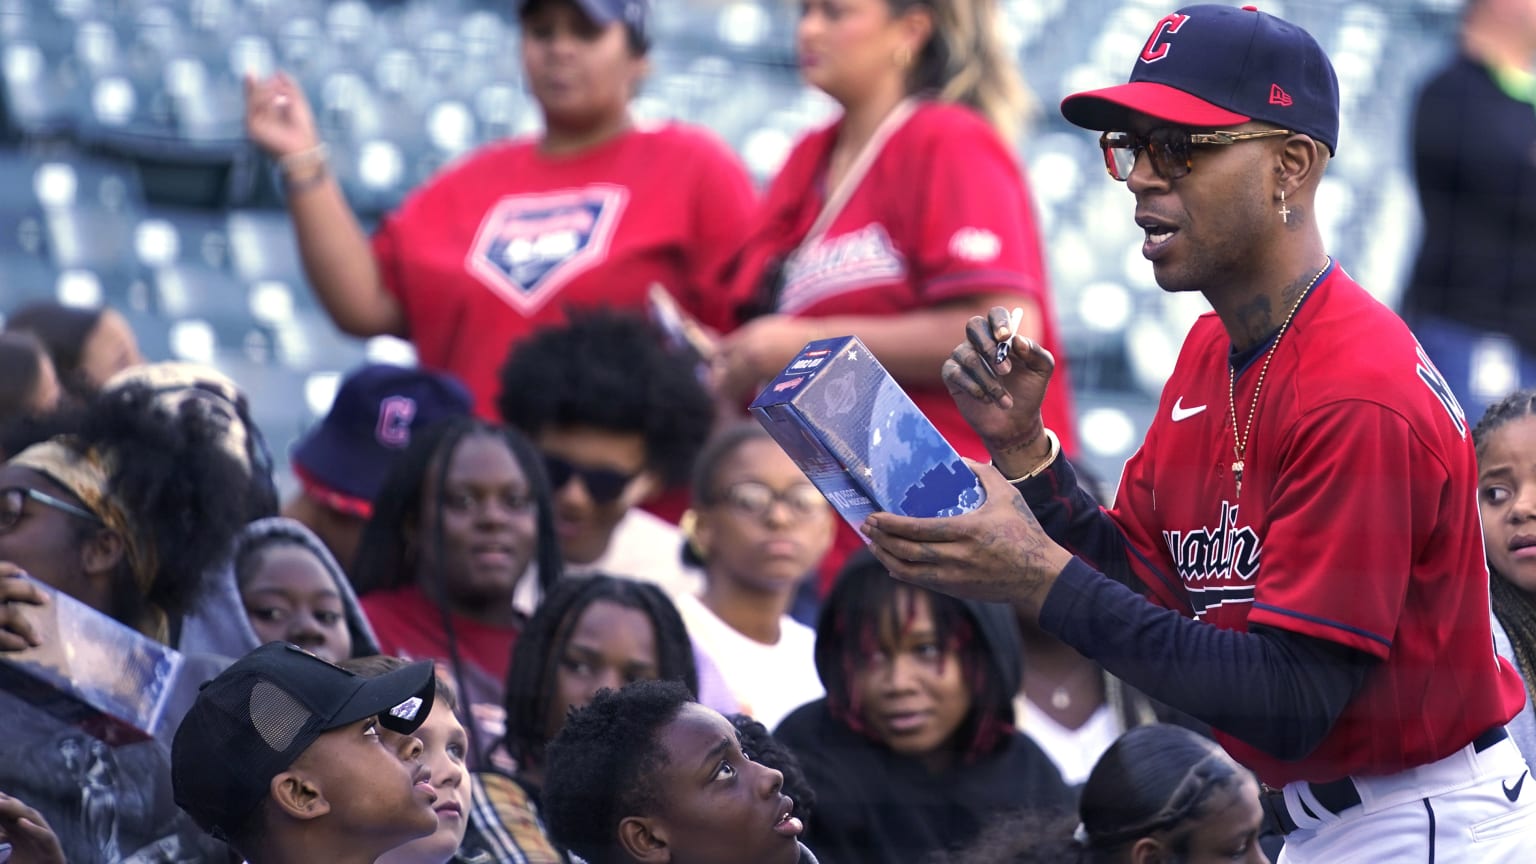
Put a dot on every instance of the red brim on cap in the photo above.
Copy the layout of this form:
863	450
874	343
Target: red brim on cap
1111	107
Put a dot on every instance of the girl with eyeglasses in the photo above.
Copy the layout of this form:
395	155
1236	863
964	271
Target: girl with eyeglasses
460	521
759	529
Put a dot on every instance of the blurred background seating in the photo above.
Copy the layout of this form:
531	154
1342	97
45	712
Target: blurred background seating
125	177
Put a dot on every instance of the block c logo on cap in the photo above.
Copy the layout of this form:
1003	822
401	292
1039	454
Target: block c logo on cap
395	416
1157	44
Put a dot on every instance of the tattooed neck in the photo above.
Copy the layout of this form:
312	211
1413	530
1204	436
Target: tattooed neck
1260	317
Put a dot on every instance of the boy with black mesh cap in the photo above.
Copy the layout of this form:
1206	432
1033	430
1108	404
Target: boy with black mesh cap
281	757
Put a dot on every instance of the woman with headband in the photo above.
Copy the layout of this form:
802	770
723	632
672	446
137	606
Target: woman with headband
127	515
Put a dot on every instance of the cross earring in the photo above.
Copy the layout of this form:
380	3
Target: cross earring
1285	212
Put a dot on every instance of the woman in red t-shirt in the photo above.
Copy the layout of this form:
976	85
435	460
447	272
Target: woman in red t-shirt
590	212
903	218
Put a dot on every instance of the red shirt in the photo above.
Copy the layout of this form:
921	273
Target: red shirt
511	238
1358	523
943	214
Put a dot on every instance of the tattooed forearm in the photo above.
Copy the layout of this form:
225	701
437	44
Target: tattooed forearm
1039	571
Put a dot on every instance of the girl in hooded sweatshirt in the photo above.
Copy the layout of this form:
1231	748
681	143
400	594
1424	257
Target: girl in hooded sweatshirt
294	591
913	750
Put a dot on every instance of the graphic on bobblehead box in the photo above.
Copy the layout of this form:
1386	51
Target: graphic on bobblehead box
860	439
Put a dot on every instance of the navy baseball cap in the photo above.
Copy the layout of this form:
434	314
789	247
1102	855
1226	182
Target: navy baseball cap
254	719
379	408
635	14
1211	66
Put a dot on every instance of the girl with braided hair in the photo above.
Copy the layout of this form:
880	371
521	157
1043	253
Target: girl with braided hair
590	633
1160	793
1506	496
461	521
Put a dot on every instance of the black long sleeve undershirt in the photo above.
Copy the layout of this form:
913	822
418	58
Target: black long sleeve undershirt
1274	689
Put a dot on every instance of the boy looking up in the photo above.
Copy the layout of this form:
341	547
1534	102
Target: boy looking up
281	756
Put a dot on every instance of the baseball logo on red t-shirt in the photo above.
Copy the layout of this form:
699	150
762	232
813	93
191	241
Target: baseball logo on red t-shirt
530	245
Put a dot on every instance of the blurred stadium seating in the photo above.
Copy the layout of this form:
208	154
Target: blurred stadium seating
127	179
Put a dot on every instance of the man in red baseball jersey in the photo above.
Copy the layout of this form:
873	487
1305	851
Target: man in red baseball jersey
1302	515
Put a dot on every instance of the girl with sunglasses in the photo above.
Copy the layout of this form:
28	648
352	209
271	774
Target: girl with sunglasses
759	529
460	521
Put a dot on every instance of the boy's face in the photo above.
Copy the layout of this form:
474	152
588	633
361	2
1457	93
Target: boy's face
717	805
371	791
595	476
444	745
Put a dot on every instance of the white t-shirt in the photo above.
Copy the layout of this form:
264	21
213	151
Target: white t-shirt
644	547
768	680
1073	750
647	548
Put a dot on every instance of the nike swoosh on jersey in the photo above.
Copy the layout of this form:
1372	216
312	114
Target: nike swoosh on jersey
1182	413
1514	793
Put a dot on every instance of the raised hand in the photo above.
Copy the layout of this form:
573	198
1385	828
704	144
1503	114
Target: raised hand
1001	399
277	116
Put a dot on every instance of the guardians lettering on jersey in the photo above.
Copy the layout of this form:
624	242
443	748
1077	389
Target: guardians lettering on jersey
1442	390
837	265
528	246
1217	565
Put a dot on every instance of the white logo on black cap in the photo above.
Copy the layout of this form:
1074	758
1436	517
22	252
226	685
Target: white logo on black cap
407	710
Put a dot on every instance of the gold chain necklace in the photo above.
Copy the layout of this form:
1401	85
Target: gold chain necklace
1240	441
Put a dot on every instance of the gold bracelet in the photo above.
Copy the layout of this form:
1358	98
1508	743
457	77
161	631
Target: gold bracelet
1050	457
306	158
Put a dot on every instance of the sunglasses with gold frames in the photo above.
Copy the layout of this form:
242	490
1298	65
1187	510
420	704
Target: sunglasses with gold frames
1169	148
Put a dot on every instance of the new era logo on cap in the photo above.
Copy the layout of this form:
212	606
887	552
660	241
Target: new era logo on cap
1278	96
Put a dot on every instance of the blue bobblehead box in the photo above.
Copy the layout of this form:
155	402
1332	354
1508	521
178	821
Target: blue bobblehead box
860	439
93	672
